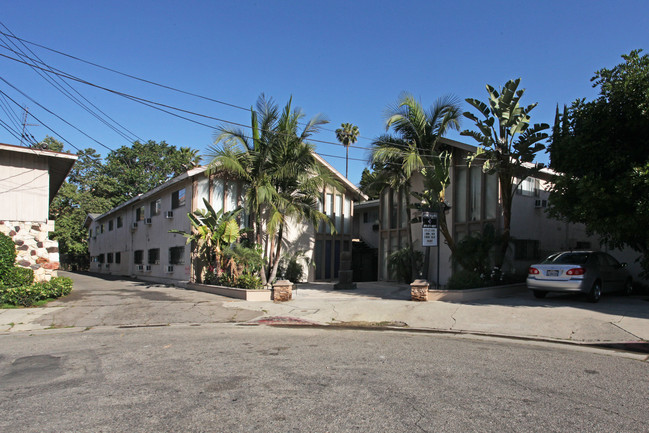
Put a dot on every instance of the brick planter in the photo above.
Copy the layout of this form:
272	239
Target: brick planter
419	290
282	291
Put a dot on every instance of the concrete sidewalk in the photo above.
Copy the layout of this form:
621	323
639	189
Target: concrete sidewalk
103	302
562	318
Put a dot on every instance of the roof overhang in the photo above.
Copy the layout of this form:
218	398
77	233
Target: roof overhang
59	164
346	182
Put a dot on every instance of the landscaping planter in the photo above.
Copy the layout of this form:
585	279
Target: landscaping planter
475	294
232	292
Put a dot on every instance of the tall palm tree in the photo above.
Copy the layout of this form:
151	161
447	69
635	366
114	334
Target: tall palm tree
283	177
415	147
347	134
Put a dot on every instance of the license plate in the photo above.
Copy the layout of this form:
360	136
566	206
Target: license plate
553	273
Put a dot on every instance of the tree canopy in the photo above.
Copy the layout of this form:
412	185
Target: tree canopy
601	148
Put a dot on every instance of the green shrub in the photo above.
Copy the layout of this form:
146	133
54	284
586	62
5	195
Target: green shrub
7	254
28	295
400	263
17	277
250	282
462	280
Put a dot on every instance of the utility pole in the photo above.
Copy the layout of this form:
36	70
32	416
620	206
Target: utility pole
25	125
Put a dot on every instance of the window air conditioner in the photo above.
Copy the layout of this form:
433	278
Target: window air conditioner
170	269
169	214
139	267
148	268
147	221
134	225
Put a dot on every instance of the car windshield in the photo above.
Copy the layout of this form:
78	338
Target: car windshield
567	258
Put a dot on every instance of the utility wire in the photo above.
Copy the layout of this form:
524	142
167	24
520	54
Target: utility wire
11	113
157	105
23	55
40	121
157	84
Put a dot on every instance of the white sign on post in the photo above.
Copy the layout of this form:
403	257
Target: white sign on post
429	229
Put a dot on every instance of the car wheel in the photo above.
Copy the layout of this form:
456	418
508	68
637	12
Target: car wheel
539	294
628	287
595	292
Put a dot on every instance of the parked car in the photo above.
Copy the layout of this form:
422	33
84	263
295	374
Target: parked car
589	272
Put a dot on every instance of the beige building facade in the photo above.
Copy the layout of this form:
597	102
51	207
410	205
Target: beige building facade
29	181
133	239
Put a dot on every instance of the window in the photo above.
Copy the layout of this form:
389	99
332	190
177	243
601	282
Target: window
154	256
202	193
177	255
101	228
155	207
110	225
529	187
475	194
109	258
118	257
526	249
119	222
100	258
139	213
138	256
366	217
178	198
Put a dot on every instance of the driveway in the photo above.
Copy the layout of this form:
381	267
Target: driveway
109	301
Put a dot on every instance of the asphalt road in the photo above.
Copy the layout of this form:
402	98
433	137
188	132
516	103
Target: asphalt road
235	378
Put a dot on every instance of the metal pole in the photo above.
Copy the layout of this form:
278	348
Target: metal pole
439	246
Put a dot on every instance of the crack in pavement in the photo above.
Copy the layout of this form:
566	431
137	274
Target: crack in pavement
453	317
628	332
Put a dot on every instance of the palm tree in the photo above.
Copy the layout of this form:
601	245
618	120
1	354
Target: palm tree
283	177
415	147
347	134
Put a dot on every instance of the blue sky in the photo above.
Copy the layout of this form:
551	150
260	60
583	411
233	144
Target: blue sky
345	60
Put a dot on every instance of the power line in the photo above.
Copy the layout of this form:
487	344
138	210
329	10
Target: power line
157	105
164	86
57	86
40	121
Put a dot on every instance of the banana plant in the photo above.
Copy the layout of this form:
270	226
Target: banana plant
507	144
211	232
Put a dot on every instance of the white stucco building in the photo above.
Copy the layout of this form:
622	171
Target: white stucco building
133	239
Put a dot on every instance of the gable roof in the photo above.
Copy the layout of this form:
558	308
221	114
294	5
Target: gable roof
59	164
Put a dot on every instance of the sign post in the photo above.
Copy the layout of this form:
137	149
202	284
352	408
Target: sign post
430	238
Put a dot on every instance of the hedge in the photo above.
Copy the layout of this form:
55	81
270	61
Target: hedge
28	295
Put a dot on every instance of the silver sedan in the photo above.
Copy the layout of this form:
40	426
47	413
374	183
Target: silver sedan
589	272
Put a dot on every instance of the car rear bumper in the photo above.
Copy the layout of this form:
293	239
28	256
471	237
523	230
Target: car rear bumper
573	285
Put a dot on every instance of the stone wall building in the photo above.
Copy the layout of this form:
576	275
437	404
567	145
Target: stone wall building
30	179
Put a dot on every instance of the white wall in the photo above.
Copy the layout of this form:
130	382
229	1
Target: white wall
24	187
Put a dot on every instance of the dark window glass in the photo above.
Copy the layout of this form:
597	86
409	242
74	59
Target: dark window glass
100	258
178	198
177	255
119	221
109	258
155	207
154	256
568	258
138	256
110	225
118	257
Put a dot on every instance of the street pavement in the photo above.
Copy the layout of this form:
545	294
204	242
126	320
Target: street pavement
103	302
